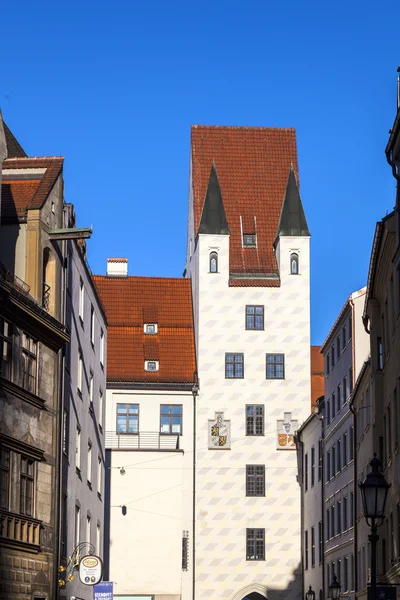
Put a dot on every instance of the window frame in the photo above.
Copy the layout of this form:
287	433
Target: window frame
81	308
255	420
127	415
275	364
255	481
99	476
147	364
236	364
253	317
254	536
102	348
171	415
6	340
29	358
5	471
78	449
213	256
92	324
27	482
249	244
294	258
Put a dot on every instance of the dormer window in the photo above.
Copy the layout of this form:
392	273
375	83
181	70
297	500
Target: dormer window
294	264
213	262
249	240
151	365
150	328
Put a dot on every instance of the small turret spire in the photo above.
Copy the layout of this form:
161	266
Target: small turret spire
213	218
292	221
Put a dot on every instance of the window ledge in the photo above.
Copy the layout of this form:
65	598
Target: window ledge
22	393
78	472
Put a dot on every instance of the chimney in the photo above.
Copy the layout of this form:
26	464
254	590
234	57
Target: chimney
117	267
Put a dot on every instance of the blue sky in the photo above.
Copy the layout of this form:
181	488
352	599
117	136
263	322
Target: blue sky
114	87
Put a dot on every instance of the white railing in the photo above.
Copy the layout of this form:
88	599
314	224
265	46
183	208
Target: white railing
144	440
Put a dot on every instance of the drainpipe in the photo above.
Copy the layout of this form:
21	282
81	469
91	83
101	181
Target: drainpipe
195	391
60	418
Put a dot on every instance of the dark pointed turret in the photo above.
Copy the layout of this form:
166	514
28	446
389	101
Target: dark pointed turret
213	218
292	220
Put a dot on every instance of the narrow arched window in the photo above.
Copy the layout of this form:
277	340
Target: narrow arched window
294	264
213	262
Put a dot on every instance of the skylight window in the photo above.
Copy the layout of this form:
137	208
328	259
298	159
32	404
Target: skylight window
249	240
151	365
150	328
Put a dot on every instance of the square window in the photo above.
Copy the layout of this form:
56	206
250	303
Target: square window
255	480
255	317
255	419
234	366
171	419
150	328
128	418
255	544
275	366
249	240
151	365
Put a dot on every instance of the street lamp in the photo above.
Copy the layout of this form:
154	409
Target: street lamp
310	595
334	589
374	491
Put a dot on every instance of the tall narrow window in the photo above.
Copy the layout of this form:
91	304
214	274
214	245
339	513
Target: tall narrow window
312	547
65	432
5	348
328	525
234	366
98	540
255	317
213	262
88	528
101	409
351	524
320	542
294	264
320	459
339	517
91	384
328	412
327	364
306	550
81	299
344	390
26	489
89	463
339	394
338	347
350	332
344	338
29	364
333	455
328	465
77	525
345	574
306	472
78	449
351	379
255	480
345	449
255	544
80	373
275	366
255	419
312	466
333	356
338	456
102	348
4	478
92	325
380	353
333	523
99	475
351	443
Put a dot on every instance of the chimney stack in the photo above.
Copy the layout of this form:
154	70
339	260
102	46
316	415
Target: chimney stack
117	267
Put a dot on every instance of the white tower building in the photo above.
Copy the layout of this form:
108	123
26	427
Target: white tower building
249	263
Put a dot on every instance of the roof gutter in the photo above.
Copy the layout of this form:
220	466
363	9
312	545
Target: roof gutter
149	385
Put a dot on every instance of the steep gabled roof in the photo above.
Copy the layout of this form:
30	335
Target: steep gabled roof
213	217
130	302
292	221
14	148
26	184
253	166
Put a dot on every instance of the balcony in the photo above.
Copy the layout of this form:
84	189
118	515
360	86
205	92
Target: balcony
144	440
19	531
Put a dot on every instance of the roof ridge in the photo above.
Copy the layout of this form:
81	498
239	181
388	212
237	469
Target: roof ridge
27	158
147	277
245	127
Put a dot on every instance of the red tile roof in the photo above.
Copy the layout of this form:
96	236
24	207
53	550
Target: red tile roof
317	375
253	166
20	195
130	302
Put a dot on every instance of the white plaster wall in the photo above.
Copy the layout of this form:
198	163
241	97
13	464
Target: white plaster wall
223	512
158	492
362	344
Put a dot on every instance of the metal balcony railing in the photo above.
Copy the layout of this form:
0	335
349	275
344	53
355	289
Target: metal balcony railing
144	440
19	528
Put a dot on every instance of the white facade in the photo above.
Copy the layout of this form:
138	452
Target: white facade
156	487
223	511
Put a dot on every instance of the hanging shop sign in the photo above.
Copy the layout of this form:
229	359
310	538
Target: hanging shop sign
90	569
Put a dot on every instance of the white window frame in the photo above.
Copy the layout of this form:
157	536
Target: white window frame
80	372
102	348
81	299
101	408
89	462
99	475
146	366
78	439
92	322
91	388
147	326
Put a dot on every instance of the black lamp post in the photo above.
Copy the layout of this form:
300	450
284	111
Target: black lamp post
374	491
310	594
334	589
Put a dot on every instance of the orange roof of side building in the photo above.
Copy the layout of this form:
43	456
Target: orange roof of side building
253	166
130	302
26	184
317	375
